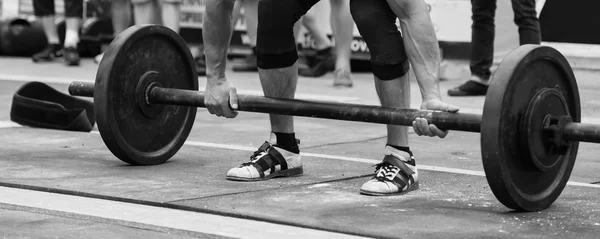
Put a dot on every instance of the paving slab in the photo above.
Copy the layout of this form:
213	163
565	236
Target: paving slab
80	162
18	222
445	206
325	198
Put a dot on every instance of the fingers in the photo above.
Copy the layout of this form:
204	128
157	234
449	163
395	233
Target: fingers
423	128
451	108
438	132
233	99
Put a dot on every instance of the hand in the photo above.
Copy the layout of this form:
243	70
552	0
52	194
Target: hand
220	98
422	127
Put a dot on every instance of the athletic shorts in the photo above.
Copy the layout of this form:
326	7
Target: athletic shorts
73	8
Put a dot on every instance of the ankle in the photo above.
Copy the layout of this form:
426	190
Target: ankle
287	141
402	154
480	79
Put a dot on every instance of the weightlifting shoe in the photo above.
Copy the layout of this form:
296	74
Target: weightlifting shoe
473	87
269	161
395	175
51	52
71	56
324	62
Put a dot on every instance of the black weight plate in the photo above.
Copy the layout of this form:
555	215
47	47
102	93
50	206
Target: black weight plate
526	71
129	133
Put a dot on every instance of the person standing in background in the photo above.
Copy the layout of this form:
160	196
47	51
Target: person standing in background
336	58
44	11
482	40
121	19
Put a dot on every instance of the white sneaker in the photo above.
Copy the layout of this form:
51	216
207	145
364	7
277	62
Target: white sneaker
392	179
267	162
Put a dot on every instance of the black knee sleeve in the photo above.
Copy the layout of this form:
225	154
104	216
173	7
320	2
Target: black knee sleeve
43	8
73	8
376	23
275	41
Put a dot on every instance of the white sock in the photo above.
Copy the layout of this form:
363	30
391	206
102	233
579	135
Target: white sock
71	38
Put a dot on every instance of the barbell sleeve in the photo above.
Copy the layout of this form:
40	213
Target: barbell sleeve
78	88
581	132
326	110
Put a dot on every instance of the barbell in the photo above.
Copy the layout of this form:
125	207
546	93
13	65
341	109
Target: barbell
146	94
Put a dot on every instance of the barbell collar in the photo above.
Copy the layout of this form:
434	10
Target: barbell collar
325	110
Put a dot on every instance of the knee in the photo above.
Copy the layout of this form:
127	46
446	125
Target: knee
276	46
376	24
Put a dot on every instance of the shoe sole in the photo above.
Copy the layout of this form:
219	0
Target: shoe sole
413	187
283	173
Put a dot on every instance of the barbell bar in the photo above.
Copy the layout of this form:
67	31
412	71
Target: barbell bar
315	109
467	122
146	94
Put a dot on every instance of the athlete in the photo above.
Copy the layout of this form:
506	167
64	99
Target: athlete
392	53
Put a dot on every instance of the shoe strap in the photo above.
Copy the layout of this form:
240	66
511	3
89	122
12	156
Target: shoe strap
400	175
265	158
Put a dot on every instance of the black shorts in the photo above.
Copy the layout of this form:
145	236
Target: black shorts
276	45
73	8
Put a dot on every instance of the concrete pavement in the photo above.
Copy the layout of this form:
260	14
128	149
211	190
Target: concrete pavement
42	168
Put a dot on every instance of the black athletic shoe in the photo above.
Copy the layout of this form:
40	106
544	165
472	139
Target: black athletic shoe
470	88
51	52
71	56
324	63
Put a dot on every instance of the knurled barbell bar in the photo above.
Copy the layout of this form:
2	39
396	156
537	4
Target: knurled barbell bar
146	94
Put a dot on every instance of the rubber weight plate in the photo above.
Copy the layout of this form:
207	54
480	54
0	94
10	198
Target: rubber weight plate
522	170
135	132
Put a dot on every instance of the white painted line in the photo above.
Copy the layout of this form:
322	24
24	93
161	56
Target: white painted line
158	216
56	80
367	161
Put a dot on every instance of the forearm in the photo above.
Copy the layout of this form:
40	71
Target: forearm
216	34
421	45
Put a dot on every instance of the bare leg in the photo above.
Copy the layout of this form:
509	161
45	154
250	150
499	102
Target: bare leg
321	39
236	14
72	34
280	83
50	29
121	15
171	13
251	16
145	13
395	93
343	27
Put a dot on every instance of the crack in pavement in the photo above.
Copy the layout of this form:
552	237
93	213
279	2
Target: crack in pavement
345	142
